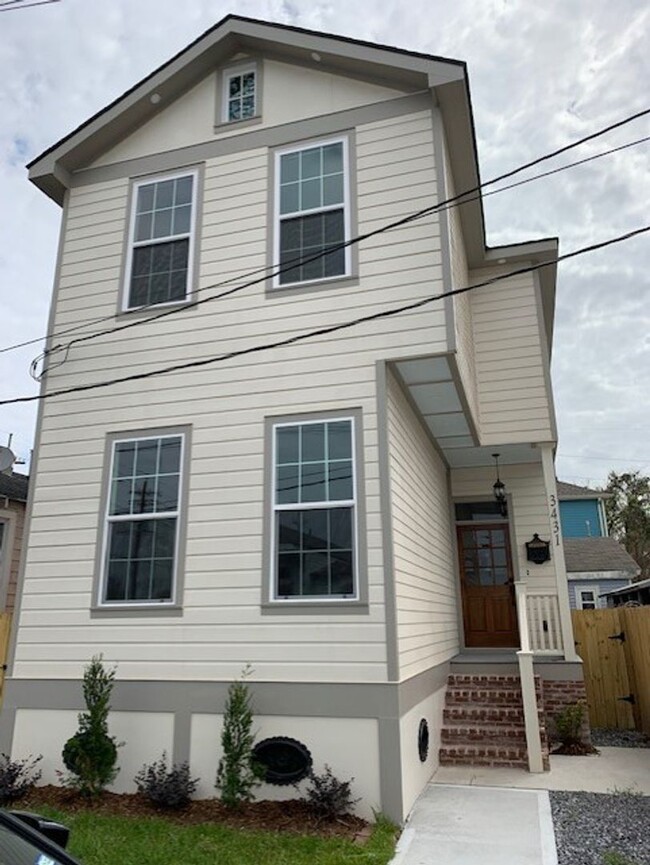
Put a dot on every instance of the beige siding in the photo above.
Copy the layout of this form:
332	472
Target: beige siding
529	513
462	303
513	400
424	569
191	119
226	403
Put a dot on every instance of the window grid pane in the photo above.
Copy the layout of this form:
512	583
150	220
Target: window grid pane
241	96
161	242
141	551
312	180
314	546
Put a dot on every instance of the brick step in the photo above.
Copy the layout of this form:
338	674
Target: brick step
498	682
484	696
484	736
483	755
474	714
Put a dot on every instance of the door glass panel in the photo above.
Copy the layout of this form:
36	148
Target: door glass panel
500	576
498	537
499	557
483	538
486	576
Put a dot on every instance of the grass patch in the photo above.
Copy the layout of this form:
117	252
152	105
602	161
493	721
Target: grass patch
104	840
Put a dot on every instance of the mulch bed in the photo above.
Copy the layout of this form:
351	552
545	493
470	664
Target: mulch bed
575	749
291	816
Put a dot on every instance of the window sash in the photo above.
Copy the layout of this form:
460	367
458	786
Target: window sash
344	206
154	241
227	98
141	517
276	509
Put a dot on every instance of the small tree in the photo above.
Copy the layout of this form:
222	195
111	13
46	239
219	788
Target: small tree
91	754
238	774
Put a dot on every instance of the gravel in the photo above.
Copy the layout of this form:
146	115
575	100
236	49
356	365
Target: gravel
604	738
590	825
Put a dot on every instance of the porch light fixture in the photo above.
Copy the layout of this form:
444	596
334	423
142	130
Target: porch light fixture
499	488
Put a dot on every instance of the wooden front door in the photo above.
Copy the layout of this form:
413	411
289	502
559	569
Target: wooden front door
487	584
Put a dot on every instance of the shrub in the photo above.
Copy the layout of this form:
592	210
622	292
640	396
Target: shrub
238	774
91	754
328	797
167	787
17	777
568	724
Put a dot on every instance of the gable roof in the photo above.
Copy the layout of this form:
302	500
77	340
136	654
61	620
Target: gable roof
584	555
14	487
412	71
573	491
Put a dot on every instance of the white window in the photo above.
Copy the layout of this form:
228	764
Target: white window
159	264
239	95
314	511
312	212
142	520
587	599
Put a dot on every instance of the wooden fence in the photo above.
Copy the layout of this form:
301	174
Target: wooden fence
614	645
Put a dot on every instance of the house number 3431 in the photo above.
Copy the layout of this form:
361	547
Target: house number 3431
555	522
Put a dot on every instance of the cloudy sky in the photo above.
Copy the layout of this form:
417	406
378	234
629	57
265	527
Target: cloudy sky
541	75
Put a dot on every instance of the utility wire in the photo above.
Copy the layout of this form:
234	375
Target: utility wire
462	198
323	331
15	5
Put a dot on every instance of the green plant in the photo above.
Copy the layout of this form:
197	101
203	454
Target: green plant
613	857
328	797
17	777
91	754
168	787
238	774
568	724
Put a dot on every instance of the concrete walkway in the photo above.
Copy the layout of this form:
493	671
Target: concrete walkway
454	825
474	816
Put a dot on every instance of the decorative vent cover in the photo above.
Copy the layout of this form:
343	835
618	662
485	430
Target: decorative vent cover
423	740
286	760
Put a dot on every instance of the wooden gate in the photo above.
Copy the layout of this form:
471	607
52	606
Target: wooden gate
5	631
614	645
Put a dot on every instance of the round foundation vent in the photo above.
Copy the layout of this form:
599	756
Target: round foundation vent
423	740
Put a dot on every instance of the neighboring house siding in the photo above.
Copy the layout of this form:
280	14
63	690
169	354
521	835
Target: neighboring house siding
12	516
226	404
598	587
424	568
528	513
580	518
513	400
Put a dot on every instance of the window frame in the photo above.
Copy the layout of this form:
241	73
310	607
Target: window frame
135	607
353	603
580	601
236	72
191	235
297	147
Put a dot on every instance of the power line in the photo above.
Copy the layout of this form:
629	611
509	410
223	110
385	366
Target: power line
462	198
15	5
604	459
323	331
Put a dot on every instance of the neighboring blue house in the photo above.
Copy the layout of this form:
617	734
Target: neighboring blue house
595	562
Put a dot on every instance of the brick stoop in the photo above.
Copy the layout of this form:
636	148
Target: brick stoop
483	722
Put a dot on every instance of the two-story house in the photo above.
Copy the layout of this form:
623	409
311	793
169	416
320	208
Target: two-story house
595	562
324	510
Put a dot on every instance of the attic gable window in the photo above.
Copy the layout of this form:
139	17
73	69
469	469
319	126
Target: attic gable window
240	95
161	241
313	212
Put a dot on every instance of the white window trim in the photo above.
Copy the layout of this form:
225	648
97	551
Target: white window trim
296	148
275	508
132	243
111	518
236	72
594	590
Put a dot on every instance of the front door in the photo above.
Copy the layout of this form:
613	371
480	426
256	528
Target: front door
487	584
